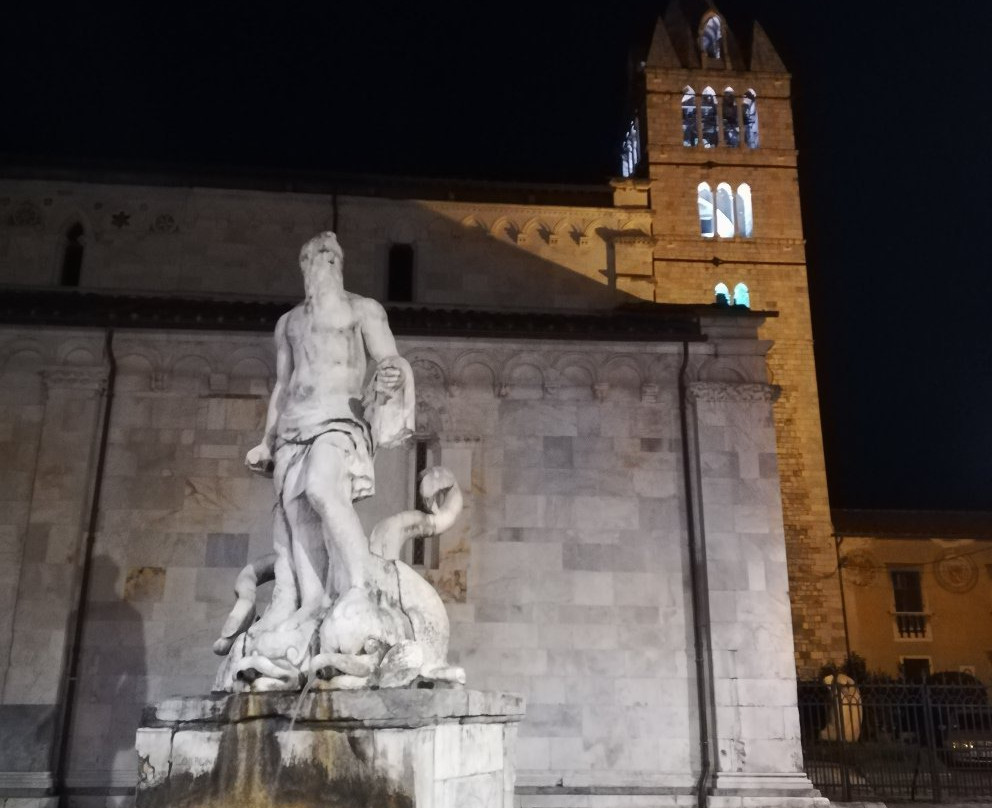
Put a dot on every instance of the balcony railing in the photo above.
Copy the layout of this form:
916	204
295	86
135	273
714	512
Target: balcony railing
912	625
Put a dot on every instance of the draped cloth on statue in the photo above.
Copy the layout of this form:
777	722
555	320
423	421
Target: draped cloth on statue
390	422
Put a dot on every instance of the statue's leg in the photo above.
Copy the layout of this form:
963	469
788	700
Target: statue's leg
309	556
284	599
329	493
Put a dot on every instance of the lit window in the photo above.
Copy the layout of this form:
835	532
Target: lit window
399	281
724	211
631	156
690	127
745	216
711	40
707	109
722	294
705	199
741	296
907	593
731	124
751	119
72	256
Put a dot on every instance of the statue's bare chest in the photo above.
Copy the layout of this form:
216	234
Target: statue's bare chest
327	332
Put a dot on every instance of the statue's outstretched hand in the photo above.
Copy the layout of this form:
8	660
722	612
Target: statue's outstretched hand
259	460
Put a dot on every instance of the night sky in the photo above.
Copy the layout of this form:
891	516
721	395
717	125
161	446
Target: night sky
892	122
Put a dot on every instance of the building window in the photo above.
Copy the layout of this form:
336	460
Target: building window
724	211
915	669
742	297
733	213
704	198
707	109
907	592
731	123
721	294
72	256
399	282
631	156
730	114
751	119
690	126
711	39
745	216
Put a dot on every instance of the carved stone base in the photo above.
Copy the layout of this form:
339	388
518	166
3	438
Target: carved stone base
443	748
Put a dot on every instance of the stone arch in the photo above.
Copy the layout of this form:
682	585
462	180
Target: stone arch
716	369
23	355
428	370
473	222
474	370
249	355
76	352
623	372
504	227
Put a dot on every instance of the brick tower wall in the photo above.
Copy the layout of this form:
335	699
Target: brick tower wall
772	264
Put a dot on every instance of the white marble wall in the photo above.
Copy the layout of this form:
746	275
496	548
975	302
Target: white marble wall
566	576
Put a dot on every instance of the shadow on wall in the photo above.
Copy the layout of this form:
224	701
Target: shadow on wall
112	688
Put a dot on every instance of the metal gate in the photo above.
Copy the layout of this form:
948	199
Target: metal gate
897	741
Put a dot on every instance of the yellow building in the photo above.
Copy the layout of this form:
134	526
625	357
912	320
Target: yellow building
917	589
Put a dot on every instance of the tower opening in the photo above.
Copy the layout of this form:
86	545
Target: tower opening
690	124
707	108
704	198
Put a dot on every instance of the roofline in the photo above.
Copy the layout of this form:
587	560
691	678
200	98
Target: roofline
284	180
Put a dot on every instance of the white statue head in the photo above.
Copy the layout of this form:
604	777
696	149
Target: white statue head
321	261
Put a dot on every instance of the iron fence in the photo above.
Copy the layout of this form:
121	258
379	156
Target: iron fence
897	741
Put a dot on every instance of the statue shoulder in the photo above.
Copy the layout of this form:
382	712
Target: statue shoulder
366	307
285	320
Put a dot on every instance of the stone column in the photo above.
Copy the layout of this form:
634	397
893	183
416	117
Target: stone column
754	718
47	587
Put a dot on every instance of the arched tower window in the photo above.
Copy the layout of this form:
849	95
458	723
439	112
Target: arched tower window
724	211
745	216
741	295
705	199
690	127
631	156
721	294
72	256
707	109
751	119
731	124
711	38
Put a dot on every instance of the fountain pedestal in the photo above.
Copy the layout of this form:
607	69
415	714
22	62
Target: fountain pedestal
391	748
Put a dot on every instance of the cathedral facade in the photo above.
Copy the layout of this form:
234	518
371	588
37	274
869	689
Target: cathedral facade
620	377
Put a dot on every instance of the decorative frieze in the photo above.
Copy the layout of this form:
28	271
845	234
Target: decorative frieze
736	393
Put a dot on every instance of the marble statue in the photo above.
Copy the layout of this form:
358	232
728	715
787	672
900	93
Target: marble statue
345	611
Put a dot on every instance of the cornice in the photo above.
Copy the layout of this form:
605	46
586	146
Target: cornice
650	322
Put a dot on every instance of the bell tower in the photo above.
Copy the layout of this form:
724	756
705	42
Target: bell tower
711	150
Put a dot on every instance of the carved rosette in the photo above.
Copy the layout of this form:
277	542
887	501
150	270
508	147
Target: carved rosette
733	393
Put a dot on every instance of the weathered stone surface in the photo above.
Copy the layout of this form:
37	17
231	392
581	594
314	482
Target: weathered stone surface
389	749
